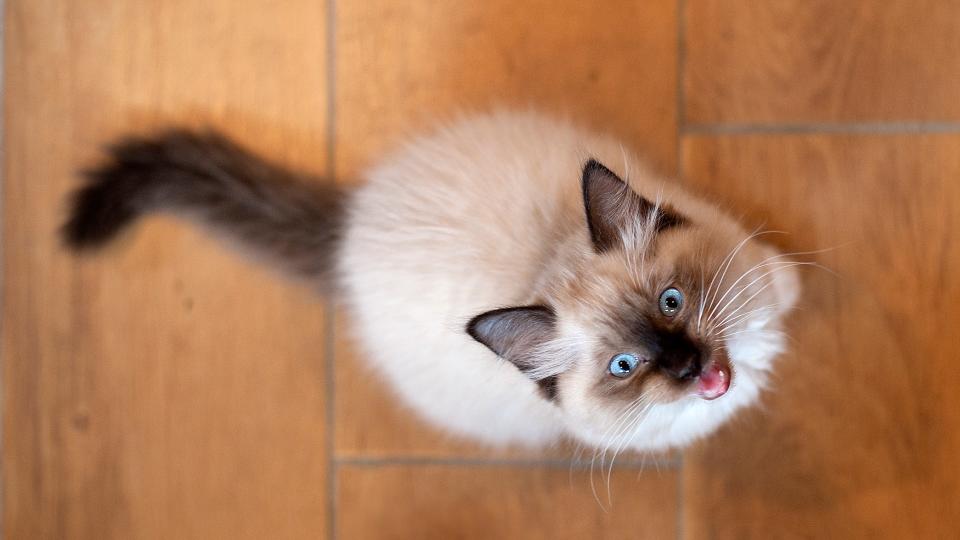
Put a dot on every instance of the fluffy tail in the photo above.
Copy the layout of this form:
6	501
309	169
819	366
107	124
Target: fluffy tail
291	220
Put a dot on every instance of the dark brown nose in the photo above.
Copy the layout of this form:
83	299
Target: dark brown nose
679	357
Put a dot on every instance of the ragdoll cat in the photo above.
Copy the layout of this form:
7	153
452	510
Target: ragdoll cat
507	283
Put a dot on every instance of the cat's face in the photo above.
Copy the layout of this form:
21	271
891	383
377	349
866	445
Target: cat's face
684	335
659	331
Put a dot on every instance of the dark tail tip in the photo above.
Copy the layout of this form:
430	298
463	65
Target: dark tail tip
126	184
99	211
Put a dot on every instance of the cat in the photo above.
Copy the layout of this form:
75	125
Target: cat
503	279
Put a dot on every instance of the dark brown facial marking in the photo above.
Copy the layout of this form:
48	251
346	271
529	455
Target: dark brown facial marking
611	206
672	351
678	357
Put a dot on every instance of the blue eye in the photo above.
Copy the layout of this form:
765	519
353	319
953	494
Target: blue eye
623	365
671	300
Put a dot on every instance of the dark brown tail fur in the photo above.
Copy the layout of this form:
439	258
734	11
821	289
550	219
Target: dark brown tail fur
292	220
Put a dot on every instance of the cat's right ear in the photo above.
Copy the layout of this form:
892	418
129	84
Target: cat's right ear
514	333
612	207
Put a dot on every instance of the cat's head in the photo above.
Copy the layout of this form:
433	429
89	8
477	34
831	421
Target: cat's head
657	328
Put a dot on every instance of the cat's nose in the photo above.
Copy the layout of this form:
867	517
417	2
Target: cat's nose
679	357
682	368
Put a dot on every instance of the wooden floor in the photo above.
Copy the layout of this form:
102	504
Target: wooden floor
170	390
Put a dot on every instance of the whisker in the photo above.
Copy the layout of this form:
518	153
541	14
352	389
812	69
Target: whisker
613	431
729	260
700	313
627	436
778	256
730	326
626	165
621	427
728	322
754	295
775	270
577	453
769	261
726	337
596	451
723	322
717	271
784	266
782	256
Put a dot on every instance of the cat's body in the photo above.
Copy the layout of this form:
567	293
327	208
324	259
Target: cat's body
488	213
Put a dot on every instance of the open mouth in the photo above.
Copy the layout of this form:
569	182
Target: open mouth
714	381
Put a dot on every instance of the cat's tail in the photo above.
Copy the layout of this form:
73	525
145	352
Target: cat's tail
290	219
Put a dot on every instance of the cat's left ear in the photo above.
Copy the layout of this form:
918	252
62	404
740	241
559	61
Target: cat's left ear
612	207
514	334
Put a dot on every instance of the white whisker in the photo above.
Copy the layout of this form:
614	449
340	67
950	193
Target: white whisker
754	295
726	337
613	430
597	450
700	313
769	261
725	265
728	322
784	266
626	436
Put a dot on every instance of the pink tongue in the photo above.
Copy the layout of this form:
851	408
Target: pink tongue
714	382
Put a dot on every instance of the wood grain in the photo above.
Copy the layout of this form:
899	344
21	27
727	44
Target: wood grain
465	502
610	66
822	61
169	389
859	436
165	389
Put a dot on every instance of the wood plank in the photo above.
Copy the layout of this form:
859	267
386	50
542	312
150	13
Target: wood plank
464	502
859	436
611	67
822	61
165	389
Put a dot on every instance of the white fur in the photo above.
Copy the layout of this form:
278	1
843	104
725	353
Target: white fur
470	219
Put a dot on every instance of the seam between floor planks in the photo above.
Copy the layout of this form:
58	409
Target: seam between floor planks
853	128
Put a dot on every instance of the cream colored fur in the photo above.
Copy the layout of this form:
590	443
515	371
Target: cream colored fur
488	213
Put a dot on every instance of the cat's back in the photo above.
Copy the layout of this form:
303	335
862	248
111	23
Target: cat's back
452	225
489	195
